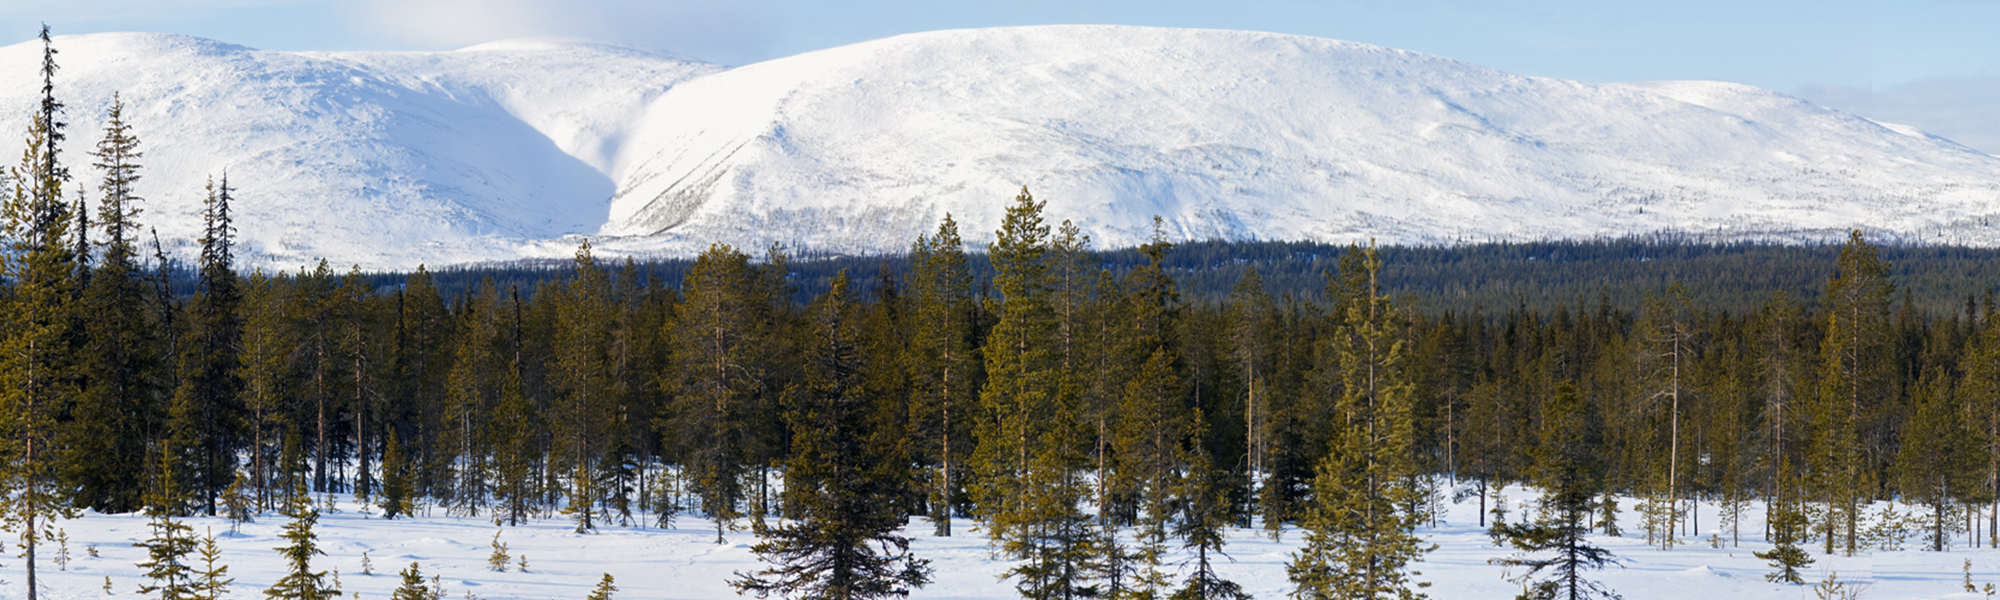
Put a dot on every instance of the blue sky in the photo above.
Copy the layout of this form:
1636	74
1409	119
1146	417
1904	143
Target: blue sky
1934	64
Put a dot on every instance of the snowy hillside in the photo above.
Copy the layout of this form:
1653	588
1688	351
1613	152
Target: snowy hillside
499	151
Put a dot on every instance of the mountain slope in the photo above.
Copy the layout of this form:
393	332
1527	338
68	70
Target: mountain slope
1252	135
512	149
377	159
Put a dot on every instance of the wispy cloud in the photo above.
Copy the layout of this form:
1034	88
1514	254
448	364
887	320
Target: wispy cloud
1963	109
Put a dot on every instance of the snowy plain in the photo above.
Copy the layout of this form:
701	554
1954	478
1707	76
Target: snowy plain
520	148
685	562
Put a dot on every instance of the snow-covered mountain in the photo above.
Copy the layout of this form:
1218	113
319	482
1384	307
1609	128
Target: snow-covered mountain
513	149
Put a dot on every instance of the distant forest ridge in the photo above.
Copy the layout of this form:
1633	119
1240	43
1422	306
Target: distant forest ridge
1735	277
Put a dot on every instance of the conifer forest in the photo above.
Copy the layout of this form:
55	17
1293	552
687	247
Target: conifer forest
1089	418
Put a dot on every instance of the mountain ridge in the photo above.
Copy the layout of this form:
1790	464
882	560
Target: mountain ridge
517	148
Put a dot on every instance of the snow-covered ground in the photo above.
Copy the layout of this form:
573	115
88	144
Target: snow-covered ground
514	149
685	561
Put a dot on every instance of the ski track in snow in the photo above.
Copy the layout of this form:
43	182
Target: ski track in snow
517	149
685	562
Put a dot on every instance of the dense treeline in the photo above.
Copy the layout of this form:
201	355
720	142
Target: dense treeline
1083	405
1736	277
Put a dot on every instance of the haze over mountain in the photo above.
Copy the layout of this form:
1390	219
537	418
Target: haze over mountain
513	149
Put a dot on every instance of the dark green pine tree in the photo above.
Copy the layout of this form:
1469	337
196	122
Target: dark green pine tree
1360	537
300	581
39	336
1022	374
119	408
1064	554
204	416
582	393
1205	513
1854	381
714	380
511	434
1570	473
843	485
943	364
1934	466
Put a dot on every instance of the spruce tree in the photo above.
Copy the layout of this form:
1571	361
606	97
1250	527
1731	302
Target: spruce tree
211	581
843	484
300	581
119	408
396	493
1853	383
37	370
579	378
1205	515
413	587
943	363
1570	474
206	407
1022	374
167	567
1361	538
1934	466
715	379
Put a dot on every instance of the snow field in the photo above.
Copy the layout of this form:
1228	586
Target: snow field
685	562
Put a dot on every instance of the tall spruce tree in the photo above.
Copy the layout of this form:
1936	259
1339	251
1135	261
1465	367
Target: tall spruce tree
204	416
1022	372
715	379
38	380
1853	383
943	364
844	483
118	410
1361	530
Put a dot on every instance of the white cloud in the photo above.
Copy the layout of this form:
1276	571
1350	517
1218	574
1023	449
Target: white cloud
1963	109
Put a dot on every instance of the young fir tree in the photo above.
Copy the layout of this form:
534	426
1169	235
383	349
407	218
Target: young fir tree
166	565
396	494
37	368
211	581
843	484
605	588
1788	525
300	581
1361	538
1570	473
1205	514
413	587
